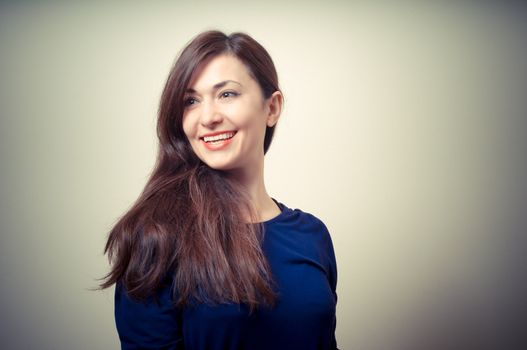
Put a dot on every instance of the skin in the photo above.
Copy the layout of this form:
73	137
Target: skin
238	105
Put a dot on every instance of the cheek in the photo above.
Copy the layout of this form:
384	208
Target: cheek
253	118
188	128
259	125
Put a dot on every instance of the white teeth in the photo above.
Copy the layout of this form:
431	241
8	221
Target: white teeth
224	136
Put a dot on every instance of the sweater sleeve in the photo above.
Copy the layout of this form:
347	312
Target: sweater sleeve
153	324
333	283
331	274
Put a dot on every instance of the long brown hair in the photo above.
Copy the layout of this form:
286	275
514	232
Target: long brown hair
189	223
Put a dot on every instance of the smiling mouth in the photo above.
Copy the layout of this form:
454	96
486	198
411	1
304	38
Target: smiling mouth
217	139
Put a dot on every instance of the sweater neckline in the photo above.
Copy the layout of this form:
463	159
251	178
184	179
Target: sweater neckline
283	210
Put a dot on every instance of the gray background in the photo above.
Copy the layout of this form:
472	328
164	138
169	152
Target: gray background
403	130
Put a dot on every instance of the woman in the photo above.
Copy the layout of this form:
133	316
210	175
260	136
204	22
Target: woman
206	259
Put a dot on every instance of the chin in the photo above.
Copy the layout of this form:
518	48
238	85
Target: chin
218	165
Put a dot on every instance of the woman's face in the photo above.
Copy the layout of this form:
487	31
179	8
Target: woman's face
226	115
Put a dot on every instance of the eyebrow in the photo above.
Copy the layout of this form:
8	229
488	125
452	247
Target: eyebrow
217	85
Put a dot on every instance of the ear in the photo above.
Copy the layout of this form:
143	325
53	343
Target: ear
274	103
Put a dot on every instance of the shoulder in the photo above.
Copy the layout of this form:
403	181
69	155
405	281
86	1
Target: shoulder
306	221
324	243
300	224
316	239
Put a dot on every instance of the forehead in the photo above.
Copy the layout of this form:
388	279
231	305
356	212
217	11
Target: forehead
220	68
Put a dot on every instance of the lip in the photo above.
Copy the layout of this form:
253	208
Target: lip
218	145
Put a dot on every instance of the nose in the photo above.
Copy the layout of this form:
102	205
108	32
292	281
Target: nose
210	115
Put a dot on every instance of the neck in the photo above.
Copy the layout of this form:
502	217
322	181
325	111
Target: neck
252	180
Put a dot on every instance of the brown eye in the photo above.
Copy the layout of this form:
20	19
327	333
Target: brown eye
189	101
229	94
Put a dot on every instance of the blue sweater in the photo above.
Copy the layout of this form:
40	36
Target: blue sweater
300	253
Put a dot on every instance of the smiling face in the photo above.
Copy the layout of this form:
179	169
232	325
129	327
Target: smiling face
226	115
